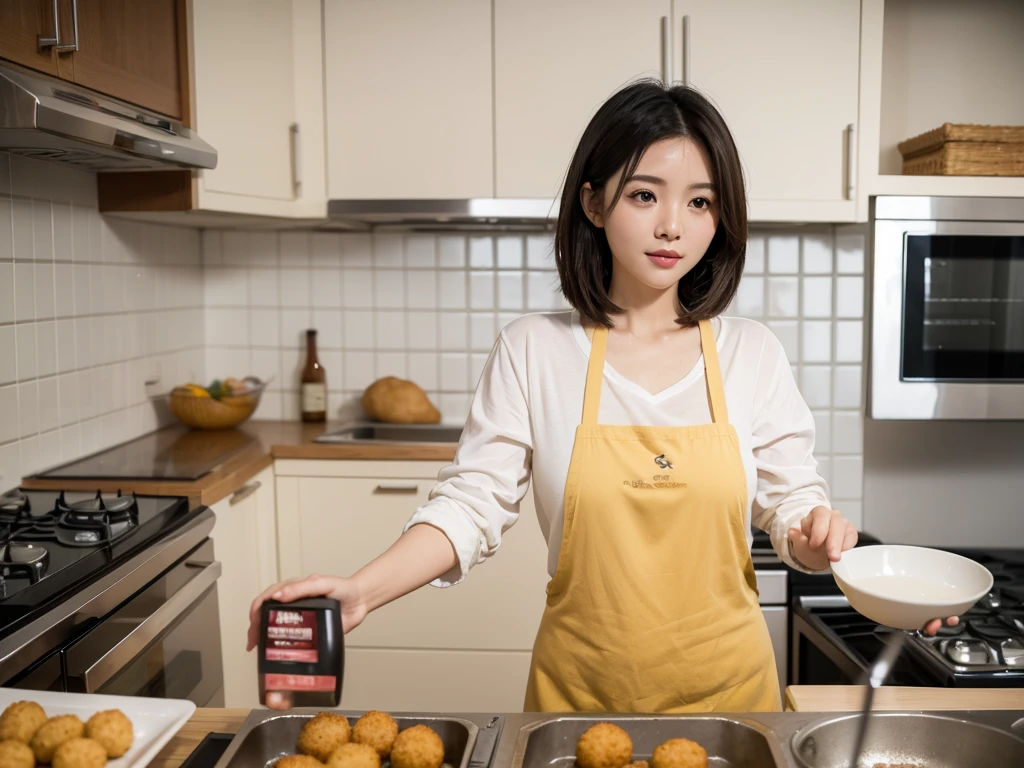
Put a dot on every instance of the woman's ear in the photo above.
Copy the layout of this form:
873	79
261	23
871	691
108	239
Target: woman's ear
592	205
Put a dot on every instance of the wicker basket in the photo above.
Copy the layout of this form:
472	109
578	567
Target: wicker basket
965	150
207	413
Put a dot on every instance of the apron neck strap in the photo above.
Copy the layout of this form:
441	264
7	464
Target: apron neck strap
713	374
595	373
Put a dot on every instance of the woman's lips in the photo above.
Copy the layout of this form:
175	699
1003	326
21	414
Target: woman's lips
664	258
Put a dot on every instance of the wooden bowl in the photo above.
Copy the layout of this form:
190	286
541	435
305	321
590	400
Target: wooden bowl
207	413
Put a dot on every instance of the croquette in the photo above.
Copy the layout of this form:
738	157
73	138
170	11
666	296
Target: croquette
298	761
354	755
16	754
112	729
324	734
53	733
679	753
80	753
604	745
21	720
418	747
377	730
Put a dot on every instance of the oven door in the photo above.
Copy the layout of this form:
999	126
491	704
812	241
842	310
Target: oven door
164	642
947	337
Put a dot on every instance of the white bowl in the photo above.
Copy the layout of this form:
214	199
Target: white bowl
906	587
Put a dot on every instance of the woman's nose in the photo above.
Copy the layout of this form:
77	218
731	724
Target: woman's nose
669	227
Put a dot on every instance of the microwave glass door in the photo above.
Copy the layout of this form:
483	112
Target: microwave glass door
963	308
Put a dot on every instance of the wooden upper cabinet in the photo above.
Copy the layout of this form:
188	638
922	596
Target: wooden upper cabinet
130	50
28	36
785	76
408	99
555	63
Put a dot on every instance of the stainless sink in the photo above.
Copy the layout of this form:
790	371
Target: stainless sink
392	433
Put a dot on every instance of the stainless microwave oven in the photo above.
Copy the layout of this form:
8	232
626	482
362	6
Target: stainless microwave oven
947	308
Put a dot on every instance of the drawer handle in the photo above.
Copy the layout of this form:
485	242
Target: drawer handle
244	492
74	23
49	42
397	488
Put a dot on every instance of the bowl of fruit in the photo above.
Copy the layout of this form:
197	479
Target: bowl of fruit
222	405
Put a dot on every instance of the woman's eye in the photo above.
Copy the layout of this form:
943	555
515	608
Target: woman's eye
701	203
643	196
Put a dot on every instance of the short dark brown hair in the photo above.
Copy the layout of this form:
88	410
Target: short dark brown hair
617	137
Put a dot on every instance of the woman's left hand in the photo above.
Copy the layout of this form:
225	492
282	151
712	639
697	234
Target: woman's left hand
822	537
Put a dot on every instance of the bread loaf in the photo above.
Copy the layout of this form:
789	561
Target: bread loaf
398	401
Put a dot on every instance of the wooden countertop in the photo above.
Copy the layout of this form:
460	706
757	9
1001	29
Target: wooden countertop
802	698
248	449
847	698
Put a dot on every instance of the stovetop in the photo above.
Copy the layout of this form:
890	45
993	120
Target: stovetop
53	543
989	641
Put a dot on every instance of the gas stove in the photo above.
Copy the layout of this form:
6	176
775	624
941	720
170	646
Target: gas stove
985	650
53	542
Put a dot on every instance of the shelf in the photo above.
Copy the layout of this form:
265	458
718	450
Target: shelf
947	186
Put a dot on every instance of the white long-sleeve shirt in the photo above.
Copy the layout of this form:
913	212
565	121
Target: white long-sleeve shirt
529	401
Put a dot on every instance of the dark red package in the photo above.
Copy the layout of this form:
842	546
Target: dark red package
302	651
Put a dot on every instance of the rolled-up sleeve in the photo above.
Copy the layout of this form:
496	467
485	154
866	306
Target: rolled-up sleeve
788	483
477	497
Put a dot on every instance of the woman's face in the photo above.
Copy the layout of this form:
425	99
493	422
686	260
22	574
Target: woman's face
665	219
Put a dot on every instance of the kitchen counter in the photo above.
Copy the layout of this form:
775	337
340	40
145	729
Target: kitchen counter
248	449
824	698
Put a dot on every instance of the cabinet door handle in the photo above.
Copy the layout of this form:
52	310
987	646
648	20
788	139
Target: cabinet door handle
851	164
397	488
293	131
49	42
244	492
686	50
74	23
666	50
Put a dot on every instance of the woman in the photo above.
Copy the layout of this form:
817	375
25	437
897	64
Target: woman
690	423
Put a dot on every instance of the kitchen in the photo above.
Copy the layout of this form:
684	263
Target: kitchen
117	287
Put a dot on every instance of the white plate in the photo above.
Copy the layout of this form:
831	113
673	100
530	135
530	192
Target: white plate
154	721
906	587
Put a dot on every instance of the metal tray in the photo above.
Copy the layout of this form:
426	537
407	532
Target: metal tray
730	742
267	735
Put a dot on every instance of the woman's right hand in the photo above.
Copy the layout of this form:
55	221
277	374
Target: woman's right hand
345	591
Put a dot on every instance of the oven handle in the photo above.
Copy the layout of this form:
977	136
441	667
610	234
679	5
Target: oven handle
94	676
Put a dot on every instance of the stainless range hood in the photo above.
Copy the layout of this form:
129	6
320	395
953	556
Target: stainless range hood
520	214
51	119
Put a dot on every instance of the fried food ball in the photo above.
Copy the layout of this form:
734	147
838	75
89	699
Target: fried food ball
53	733
679	753
21	720
417	747
16	754
377	730
354	755
604	745
112	729
80	753
324	734
298	761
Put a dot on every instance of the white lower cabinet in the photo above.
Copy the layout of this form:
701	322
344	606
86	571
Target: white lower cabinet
245	542
466	648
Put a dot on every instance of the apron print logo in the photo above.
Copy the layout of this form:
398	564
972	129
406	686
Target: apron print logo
662	462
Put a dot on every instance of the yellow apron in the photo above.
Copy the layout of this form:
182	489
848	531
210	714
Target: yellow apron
653	606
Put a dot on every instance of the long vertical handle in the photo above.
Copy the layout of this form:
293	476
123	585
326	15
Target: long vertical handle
296	158
49	42
74	23
666	55
686	50
851	164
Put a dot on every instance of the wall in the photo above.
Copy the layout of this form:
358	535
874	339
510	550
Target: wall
90	308
429	306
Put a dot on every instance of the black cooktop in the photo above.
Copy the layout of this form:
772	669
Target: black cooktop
53	543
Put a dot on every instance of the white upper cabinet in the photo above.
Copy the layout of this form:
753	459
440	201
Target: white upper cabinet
555	63
785	76
408	99
259	102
